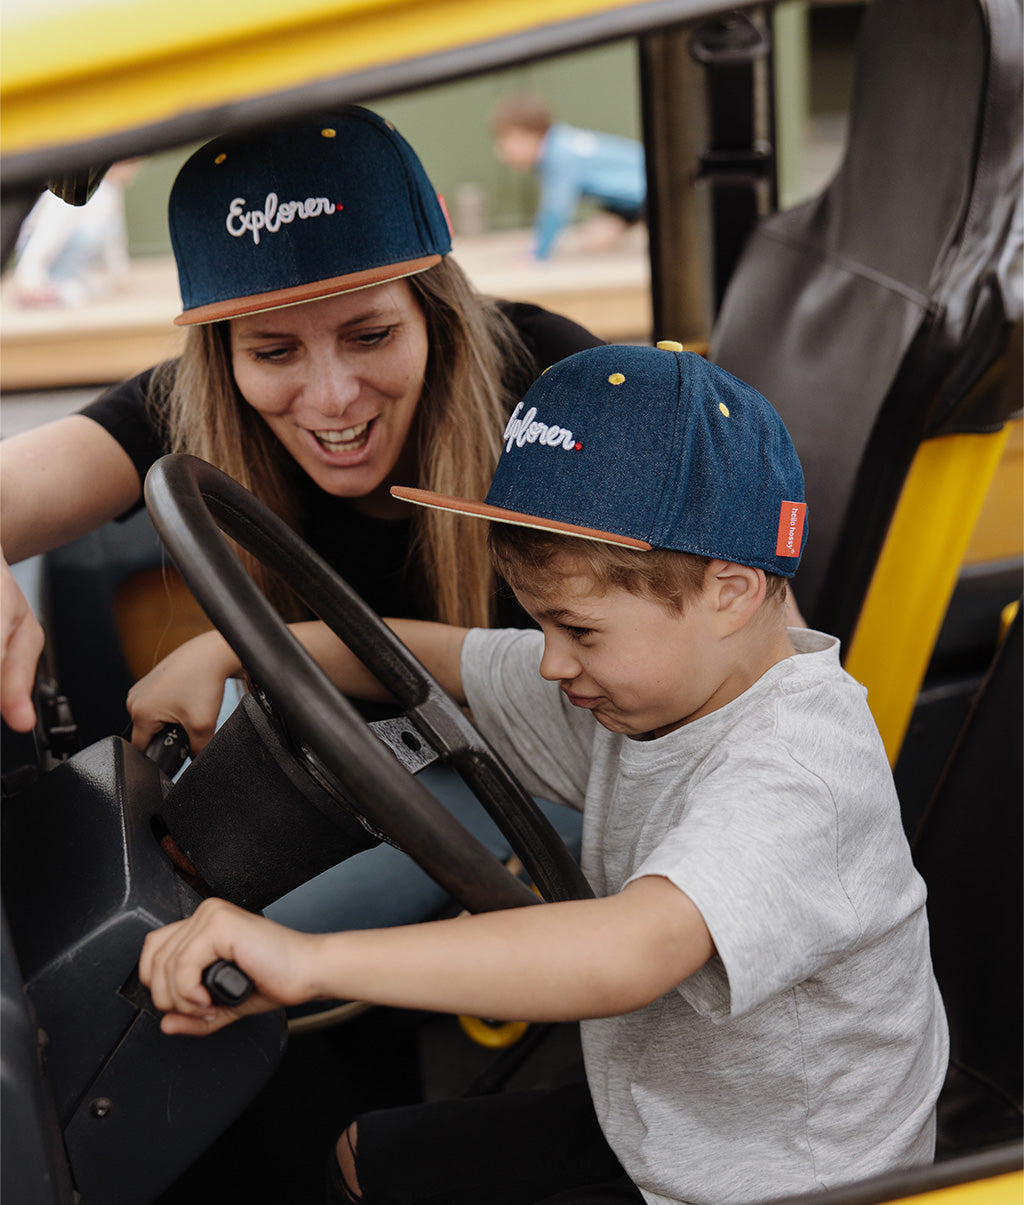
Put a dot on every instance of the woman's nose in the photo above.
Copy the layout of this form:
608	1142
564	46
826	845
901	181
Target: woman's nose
332	387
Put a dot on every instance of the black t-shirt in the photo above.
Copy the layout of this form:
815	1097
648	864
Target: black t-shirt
371	554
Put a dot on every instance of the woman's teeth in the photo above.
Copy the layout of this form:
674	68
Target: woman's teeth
343	441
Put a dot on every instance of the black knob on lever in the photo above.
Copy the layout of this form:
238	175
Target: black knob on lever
170	748
227	983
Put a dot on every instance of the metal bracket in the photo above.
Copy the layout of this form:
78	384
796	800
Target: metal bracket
405	743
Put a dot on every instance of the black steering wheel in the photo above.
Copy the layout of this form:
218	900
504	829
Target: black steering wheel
191	504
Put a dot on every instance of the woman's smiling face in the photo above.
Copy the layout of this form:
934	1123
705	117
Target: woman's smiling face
338	381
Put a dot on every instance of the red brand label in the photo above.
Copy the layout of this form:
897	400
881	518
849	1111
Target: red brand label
791	528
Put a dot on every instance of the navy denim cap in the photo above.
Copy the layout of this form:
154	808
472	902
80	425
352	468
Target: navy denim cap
308	209
650	448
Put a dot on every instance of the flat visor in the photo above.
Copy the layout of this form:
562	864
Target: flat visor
278	299
484	510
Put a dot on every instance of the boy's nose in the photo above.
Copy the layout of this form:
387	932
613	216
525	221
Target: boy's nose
558	664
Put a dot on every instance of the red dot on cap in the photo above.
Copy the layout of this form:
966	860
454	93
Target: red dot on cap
579	447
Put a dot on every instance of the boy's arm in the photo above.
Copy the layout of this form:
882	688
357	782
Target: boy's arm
553	962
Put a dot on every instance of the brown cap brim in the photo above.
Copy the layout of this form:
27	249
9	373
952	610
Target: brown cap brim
483	510
257	303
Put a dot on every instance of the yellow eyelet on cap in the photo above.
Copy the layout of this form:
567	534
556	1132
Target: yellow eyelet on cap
328	133
616	378
668	345
220	158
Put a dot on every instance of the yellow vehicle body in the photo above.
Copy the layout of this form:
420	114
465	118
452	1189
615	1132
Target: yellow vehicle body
84	83
73	73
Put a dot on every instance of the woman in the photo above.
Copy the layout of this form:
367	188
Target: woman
333	348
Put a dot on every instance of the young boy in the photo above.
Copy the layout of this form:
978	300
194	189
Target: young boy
571	164
759	1014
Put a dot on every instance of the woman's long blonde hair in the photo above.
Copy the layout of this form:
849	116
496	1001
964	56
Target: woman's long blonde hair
466	398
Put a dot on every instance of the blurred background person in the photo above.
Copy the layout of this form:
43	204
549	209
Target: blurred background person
72	254
571	164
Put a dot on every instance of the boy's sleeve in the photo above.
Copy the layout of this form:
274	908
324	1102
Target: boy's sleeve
526	719
773	872
560	191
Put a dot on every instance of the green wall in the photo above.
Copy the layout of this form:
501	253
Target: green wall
448	126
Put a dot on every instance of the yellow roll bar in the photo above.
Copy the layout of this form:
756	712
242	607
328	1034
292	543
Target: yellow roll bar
916	573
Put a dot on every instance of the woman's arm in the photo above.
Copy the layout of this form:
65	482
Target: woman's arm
187	687
59	481
565	961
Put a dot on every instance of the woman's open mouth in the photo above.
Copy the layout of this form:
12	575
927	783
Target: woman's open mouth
338	443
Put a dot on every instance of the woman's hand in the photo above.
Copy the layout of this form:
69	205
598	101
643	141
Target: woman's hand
186	688
280	961
22	642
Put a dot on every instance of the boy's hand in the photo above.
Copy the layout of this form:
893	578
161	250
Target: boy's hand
279	960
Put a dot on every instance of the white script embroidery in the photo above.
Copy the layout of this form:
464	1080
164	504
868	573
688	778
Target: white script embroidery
527	430
273	215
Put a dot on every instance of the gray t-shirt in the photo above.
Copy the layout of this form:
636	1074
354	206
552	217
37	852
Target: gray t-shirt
810	1050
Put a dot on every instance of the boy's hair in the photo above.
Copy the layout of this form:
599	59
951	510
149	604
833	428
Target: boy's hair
521	111
526	558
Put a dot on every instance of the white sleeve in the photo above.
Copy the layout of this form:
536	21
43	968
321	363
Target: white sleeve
527	720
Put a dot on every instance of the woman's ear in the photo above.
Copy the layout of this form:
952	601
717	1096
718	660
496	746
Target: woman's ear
736	592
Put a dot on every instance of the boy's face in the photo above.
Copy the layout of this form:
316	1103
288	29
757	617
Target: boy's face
641	668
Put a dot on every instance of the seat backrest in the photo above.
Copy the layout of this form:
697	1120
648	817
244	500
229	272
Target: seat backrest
866	314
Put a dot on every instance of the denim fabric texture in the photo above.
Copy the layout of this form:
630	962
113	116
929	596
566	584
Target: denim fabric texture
651	444
336	195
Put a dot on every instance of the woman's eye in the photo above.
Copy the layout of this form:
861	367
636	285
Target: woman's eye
373	338
270	355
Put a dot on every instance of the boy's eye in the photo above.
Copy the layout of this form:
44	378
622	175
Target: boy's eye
579	633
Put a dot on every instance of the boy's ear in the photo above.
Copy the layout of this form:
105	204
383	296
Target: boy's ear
736	592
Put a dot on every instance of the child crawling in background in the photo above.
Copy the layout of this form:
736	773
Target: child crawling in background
759	1014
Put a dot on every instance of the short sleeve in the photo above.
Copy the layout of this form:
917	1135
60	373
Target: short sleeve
123	411
524	717
762	864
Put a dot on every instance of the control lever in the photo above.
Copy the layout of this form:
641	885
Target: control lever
169	749
227	984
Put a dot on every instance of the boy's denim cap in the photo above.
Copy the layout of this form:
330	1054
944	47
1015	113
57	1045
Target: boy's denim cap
649	447
308	209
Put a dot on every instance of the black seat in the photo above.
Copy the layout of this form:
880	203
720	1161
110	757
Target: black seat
868	314
80	581
968	849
